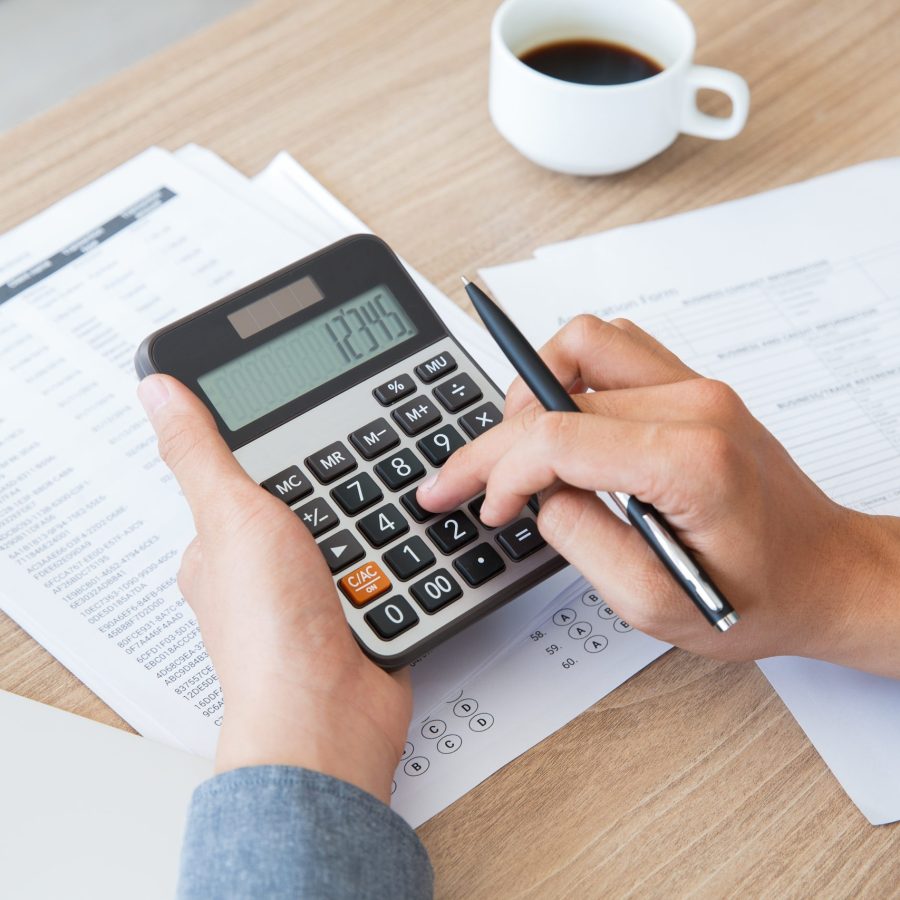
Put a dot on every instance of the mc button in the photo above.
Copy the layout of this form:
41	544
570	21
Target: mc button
364	584
289	485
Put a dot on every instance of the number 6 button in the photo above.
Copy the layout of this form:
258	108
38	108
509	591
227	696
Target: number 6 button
391	618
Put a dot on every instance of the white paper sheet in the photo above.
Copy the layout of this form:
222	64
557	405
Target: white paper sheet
793	297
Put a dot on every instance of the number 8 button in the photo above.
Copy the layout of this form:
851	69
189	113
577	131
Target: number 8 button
399	470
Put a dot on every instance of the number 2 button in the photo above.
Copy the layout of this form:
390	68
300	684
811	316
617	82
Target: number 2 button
452	532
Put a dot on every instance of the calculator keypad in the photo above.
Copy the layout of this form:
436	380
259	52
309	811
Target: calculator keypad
331	462
399	470
440	445
374	439
416	415
383	525
400	569
357	493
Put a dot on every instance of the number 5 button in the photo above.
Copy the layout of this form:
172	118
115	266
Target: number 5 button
391	618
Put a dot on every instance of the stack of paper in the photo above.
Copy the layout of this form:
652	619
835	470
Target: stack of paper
92	525
793	297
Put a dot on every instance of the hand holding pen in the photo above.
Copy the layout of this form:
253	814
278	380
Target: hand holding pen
688	447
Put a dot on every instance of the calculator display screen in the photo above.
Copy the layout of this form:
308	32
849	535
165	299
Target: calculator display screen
294	363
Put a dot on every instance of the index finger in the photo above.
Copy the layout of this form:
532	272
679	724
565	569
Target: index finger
190	445
603	356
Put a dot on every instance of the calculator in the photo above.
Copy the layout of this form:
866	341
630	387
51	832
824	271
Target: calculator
339	389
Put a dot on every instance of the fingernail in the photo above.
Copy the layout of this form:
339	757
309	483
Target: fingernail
153	392
429	482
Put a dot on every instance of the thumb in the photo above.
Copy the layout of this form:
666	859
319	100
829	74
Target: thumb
191	446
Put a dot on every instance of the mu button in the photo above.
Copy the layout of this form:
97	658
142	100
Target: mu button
364	584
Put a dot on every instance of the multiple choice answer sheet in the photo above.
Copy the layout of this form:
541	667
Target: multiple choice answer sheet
793	298
92	525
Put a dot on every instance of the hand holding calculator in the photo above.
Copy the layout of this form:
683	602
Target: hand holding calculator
338	388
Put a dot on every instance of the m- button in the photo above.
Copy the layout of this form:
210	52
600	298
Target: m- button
289	485
331	462
363	585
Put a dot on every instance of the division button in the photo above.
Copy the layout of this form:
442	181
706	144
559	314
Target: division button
375	438
393	617
331	462
479	564
401	469
409	558
383	525
363	585
419	513
357	494
452	532
520	539
457	392
289	485
416	415
317	516
340	550
436	590
483	418
442	364
391	391
440	445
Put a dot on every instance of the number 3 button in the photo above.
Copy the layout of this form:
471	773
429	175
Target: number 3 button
393	617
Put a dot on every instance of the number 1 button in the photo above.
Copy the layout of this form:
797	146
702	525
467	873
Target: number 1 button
409	558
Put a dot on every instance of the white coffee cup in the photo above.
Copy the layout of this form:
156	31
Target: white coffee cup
586	129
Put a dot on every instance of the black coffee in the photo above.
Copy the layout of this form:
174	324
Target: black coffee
587	61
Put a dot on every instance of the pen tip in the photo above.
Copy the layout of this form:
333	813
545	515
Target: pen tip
464	280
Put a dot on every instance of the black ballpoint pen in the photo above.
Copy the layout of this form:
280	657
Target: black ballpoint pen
650	523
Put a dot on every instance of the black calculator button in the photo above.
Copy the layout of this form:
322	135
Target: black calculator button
436	590
483	418
475	509
452	532
416	415
438	446
479	564
317	516
374	439
395	389
409	558
457	392
340	550
331	462
357	494
534	504
520	539
401	469
393	617
411	504
289	485
433	368
383	525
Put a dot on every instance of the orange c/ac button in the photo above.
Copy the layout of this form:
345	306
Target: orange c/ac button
364	584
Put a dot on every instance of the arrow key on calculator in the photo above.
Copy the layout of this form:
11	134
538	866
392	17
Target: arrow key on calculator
340	550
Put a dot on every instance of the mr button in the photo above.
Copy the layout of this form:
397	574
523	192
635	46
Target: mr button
331	462
364	584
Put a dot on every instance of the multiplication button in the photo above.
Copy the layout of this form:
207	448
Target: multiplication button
288	485
317	516
483	418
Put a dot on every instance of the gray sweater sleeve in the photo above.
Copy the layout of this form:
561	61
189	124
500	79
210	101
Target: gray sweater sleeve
280	831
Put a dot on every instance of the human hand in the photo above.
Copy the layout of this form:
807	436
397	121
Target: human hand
794	564
298	689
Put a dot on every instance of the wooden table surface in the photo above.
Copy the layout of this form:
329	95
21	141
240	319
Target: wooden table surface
692	778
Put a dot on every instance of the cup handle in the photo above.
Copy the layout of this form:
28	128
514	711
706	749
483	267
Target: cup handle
716	128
